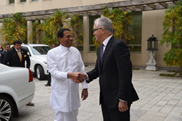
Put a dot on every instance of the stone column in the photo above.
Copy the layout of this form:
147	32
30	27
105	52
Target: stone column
17	1
86	36
29	31
43	33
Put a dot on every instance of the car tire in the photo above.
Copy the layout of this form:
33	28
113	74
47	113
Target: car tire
6	108
40	73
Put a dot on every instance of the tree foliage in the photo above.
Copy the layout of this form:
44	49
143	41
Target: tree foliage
76	25
121	21
14	29
52	25
172	34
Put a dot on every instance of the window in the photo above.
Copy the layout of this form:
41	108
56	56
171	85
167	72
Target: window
91	23
40	50
11	1
34	0
22	0
135	44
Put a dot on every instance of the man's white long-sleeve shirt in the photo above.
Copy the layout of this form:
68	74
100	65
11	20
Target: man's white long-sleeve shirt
65	92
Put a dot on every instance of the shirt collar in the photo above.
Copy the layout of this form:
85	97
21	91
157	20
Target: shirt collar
106	41
64	48
17	50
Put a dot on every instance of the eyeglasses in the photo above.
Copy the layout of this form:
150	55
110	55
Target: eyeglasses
96	29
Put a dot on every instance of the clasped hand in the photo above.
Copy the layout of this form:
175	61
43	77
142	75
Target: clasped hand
77	77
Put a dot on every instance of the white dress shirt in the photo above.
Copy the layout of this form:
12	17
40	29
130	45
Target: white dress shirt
65	93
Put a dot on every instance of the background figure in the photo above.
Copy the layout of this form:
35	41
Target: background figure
114	69
3	54
64	63
16	57
1	50
49	76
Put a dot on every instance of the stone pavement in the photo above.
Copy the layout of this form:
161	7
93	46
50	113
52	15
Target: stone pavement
160	100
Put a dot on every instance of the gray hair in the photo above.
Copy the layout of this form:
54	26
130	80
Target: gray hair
105	23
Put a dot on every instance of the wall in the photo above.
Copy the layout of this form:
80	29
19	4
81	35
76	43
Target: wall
151	24
45	4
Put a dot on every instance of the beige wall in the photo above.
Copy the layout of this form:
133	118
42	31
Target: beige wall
46	4
88	57
151	24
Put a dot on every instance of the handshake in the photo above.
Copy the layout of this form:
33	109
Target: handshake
77	77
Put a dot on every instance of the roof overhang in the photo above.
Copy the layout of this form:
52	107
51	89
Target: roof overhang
132	5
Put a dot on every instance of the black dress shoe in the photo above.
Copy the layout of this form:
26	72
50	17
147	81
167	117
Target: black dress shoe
47	85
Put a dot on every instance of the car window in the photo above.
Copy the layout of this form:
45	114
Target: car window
40	50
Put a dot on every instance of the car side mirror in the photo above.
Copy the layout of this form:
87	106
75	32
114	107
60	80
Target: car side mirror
28	54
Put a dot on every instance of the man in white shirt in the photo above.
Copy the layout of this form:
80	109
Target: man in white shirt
65	64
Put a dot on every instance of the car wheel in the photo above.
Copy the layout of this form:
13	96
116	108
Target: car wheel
40	73
6	109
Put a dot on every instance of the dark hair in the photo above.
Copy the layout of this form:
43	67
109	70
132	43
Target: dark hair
61	31
7	44
17	42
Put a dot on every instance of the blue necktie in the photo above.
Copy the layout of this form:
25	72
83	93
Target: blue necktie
101	53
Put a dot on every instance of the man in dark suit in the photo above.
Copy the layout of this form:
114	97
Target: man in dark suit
114	69
3	54
16	57
13	58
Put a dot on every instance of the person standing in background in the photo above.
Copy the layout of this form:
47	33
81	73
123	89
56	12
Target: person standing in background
3	54
1	50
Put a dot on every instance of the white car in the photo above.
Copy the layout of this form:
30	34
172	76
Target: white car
38	63
16	90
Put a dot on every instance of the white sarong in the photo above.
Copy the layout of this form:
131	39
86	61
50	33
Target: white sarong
66	116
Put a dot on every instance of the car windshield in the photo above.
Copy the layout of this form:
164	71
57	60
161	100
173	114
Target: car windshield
40	50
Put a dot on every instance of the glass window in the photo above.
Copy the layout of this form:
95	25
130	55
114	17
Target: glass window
40	50
11	1
91	23
135	44
23	0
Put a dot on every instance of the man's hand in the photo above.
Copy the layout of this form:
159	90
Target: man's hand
82	77
84	94
74	76
77	77
123	106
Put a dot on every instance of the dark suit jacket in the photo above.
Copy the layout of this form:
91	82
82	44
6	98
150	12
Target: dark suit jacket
3	54
115	74
13	59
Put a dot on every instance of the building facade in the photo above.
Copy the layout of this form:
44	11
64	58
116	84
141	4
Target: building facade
148	16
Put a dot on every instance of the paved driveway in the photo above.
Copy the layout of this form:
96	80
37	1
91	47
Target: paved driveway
160	100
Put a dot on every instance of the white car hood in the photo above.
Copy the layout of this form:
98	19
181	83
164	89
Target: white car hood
40	57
